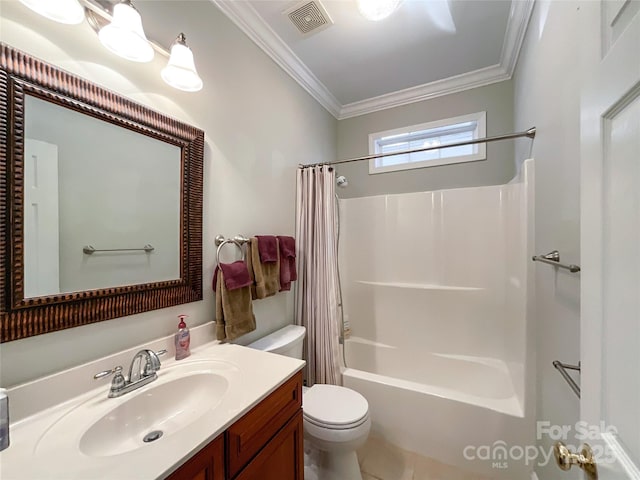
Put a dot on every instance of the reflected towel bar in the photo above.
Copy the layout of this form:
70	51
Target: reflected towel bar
562	368
553	258
89	249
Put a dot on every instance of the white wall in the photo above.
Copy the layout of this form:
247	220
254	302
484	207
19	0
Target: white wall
547	94
259	124
498	168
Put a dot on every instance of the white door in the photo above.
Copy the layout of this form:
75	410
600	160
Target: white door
41	238
610	237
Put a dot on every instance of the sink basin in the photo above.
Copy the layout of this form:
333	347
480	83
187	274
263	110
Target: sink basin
161	410
104	427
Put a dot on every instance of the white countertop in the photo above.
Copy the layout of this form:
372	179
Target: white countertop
46	445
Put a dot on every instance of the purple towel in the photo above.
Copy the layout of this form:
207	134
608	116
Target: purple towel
268	248
288	272
236	275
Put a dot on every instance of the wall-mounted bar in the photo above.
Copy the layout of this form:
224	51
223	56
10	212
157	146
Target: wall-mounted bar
90	249
553	258
562	368
531	133
238	241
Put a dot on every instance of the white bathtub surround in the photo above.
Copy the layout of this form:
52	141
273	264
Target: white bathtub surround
317	286
435	288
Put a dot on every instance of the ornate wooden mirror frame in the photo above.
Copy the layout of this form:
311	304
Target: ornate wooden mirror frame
22	74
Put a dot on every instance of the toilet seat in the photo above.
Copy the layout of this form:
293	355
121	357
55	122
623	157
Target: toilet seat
335	427
334	407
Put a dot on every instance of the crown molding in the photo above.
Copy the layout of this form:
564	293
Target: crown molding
439	88
251	23
519	17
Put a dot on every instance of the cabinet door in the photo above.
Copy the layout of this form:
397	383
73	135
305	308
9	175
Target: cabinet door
282	458
249	435
207	464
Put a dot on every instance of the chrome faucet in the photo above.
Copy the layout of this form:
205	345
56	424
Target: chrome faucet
142	371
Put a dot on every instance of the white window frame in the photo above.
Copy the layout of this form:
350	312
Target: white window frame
480	132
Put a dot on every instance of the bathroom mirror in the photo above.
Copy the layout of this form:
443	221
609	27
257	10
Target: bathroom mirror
101	213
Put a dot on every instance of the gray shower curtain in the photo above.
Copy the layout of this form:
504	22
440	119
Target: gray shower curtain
317	286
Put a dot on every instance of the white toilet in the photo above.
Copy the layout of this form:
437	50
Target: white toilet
336	419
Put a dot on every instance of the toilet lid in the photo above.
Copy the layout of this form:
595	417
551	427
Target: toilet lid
333	405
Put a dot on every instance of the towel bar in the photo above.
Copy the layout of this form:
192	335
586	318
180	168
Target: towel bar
553	258
238	240
89	249
562	368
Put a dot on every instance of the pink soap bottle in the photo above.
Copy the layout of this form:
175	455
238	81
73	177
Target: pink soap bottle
182	339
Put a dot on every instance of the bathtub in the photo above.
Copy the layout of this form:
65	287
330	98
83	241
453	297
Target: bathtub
435	306
477	381
448	409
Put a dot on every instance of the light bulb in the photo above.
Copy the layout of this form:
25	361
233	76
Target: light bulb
377	9
125	36
180	71
69	12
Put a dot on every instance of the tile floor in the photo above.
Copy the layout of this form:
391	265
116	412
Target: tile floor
383	461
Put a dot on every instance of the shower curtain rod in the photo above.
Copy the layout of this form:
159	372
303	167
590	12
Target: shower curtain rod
530	133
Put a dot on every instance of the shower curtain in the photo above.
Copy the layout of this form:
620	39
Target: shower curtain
317	287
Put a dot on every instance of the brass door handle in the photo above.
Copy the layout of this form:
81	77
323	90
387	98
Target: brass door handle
565	459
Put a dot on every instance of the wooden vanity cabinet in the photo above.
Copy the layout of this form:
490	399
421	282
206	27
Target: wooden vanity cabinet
265	444
207	464
282	458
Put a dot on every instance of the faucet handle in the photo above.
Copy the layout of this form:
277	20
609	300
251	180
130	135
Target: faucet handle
106	373
153	362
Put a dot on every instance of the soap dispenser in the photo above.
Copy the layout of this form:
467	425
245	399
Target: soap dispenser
182	339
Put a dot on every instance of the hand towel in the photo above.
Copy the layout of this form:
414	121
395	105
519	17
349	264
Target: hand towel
266	275
288	272
268	248
234	310
236	275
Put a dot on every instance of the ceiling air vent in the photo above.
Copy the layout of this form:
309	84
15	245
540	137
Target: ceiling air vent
309	17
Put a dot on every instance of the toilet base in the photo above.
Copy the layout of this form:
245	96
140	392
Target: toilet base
323	465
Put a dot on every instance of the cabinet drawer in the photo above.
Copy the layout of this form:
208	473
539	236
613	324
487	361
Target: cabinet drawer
247	436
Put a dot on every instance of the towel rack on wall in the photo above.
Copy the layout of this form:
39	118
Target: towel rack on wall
89	249
562	368
238	241
241	239
553	258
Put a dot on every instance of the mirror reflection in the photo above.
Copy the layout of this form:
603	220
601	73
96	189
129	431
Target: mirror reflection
101	203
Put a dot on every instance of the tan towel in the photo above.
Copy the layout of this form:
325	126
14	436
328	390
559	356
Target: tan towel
234	311
265	275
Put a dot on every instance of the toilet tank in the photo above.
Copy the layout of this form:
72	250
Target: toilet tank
286	341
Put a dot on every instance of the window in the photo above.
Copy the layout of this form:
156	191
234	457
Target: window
450	130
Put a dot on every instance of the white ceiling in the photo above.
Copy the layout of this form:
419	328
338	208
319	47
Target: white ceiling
426	48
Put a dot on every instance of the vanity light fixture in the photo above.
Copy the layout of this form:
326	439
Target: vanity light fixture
125	36
69	12
121	32
376	10
181	72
